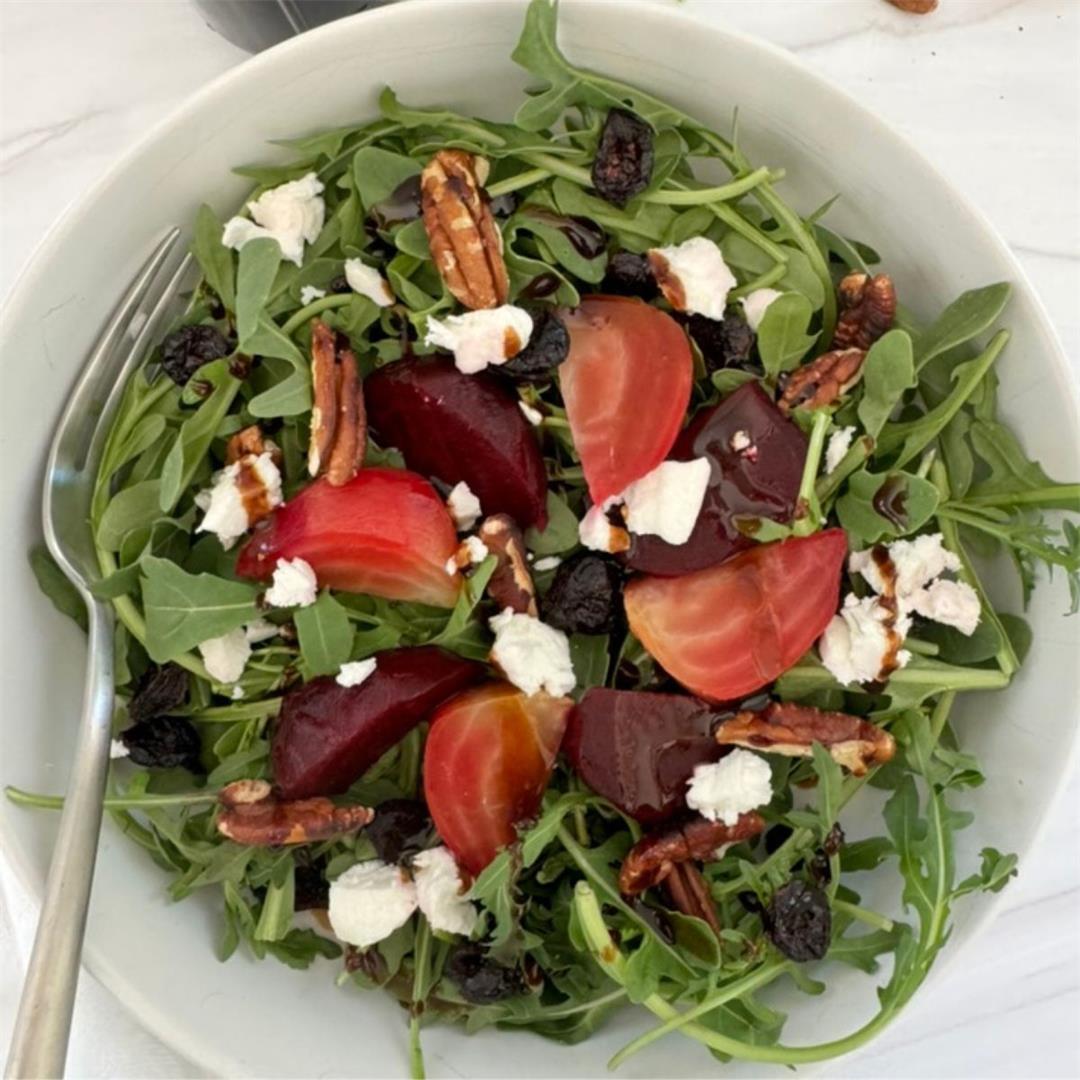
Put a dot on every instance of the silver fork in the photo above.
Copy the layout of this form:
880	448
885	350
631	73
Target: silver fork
39	1044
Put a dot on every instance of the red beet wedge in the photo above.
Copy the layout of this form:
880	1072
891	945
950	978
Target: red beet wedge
386	532
626	384
460	427
731	629
757	457
638	749
327	736
487	760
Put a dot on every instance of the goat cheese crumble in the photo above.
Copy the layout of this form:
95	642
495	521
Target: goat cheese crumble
856	643
480	339
695	279
369	901
595	531
118	751
839	444
534	416
225	512
355	672
226	656
294	584
531	654
367	281
439	891
291	213
471	552
756	303
309	294
666	502
724	789
464	506
548	562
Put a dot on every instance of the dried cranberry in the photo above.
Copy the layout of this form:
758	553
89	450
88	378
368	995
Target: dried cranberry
800	921
724	343
776	837
160	690
624	157
479	979
165	742
584	597
311	889
400	827
629	274
340	285
547	349
834	841
185	350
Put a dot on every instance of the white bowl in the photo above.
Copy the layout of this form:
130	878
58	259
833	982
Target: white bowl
244	1018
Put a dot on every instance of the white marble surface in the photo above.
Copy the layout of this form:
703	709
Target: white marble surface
989	88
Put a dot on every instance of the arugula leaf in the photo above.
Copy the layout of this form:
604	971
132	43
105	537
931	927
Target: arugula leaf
561	533
131	508
259	261
54	584
326	635
887	373
214	258
913	500
301	948
782	338
458	623
184	609
379	173
1014	478
589	654
292	395
275	919
969	315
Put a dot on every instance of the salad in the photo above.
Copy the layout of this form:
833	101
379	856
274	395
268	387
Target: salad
527	544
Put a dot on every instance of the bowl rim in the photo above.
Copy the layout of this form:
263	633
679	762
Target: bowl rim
669	20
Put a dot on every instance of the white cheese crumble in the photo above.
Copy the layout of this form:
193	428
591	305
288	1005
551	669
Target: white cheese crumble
464	506
471	552
548	562
291	213
117	750
309	294
438	892
952	603
226	656
595	531
534	416
370	901
367	281
856	642
237	693
294	584
704	279
756	303
740	441
355	672
839	444
225	512
480	339
724	789
666	502
531	654
260	630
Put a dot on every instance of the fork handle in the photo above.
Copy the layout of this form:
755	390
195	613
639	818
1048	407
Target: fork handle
39	1045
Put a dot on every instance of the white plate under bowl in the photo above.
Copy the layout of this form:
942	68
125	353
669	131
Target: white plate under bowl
244	1018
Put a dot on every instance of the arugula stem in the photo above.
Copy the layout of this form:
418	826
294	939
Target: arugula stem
557	167
808	511
737	223
421	964
242	711
922	648
111	802
1057	497
858	452
1001	532
725	192
324	303
940	716
516	183
762	281
864	915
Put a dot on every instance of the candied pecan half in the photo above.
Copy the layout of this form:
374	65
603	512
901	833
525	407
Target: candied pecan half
790	729
689	893
252	815
324	394
511	586
465	241
915	7
652	859
867	310
350	442
822	381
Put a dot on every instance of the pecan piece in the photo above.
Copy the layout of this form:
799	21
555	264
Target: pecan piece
338	418
324	394
511	585
689	893
465	241
822	381
350	442
652	859
867	310
790	729
915	7
251	441
252	815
